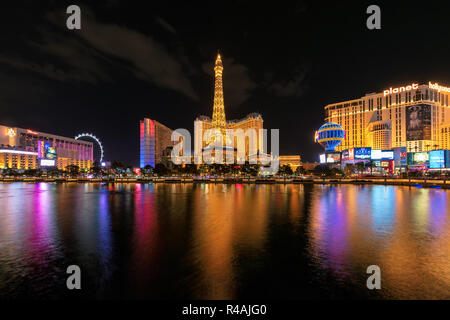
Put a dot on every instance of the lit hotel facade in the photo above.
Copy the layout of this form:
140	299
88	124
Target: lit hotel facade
155	139
415	116
24	149
253	121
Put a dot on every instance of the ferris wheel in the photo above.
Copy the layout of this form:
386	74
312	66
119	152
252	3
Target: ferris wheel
90	135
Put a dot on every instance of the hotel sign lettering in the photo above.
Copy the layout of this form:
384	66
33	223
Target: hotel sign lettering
391	90
413	86
438	87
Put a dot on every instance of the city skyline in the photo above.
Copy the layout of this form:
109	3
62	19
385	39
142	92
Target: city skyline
219	159
83	81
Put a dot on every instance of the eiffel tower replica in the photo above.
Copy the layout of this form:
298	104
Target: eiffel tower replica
219	122
218	118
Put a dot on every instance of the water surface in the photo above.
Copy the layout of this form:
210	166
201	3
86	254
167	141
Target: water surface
223	241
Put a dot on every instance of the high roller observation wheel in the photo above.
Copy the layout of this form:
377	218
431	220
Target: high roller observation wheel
90	135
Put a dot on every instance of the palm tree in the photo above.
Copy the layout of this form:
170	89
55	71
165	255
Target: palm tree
161	170
300	171
360	167
147	170
285	170
349	168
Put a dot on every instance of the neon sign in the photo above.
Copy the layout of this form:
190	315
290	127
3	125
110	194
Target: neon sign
438	87
400	89
11	133
31	131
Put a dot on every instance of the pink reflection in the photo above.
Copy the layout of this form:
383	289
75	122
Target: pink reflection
40	240
145	239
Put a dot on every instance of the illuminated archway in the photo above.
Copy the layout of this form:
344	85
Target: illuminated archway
90	135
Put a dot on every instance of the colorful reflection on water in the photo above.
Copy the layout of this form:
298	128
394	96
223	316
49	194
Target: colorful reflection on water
223	241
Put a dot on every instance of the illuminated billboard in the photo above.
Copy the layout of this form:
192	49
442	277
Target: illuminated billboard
418	158
382	154
400	156
48	163
346	155
418	122
334	157
49	151
376	154
437	159
322	158
330	157
362	153
387	155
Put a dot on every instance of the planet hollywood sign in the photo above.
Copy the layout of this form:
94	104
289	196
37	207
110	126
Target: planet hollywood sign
414	86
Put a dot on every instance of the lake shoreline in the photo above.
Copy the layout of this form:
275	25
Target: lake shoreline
433	183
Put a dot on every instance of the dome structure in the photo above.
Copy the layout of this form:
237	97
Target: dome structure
330	135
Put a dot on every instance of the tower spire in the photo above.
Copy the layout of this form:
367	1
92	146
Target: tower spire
218	118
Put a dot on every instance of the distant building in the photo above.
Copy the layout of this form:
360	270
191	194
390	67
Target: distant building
444	142
155	138
28	149
308	166
293	161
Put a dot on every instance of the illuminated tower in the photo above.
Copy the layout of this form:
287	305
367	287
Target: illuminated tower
218	118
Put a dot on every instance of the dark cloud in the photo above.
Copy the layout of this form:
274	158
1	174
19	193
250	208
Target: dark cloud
294	87
89	54
237	82
65	59
166	25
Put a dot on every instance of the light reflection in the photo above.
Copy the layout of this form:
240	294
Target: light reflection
42	232
388	226
204	240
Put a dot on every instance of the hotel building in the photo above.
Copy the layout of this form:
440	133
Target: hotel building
155	138
293	161
218	121
444	142
28	149
415	116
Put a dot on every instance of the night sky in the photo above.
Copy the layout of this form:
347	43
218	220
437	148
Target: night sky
136	59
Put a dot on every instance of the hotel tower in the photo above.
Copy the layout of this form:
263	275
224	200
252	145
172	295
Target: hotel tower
415	116
218	121
155	138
